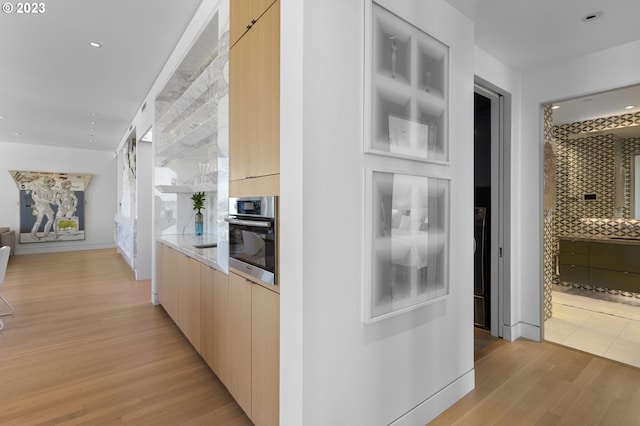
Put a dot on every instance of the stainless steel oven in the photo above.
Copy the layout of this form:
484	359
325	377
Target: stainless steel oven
253	244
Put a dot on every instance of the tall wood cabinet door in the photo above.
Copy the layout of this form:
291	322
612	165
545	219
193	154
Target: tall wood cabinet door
254	100
265	356
265	39
220	326
242	110
239	343
207	279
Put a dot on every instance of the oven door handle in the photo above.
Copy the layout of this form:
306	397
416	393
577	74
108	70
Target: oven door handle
254	223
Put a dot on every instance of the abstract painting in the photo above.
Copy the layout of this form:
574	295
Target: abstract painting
52	205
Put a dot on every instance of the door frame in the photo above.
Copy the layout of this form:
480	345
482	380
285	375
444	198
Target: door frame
500	259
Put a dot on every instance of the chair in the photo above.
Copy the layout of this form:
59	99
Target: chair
5	251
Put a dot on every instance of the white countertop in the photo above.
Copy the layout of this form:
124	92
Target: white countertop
630	241
185	244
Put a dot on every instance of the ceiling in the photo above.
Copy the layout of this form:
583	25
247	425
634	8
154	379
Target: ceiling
531	34
52	80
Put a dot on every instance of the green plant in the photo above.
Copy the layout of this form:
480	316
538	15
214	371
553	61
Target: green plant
198	201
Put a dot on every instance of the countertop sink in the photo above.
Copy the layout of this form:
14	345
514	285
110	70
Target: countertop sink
205	245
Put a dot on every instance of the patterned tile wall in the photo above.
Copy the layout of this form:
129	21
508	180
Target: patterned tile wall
587	166
550	241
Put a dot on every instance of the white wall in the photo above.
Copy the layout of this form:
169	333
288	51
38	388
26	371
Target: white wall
349	372
99	195
605	70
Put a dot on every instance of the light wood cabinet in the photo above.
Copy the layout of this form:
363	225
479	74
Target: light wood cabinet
265	356
162	276
244	14
168	280
233	322
220	326
239	342
189	298
207	280
254	102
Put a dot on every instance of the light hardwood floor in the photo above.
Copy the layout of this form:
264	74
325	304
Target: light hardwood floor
530	383
86	346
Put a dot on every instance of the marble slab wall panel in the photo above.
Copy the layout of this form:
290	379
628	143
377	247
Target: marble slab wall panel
191	136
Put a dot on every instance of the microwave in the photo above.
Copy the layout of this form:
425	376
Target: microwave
253	246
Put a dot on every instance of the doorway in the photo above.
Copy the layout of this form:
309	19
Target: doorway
491	213
592	304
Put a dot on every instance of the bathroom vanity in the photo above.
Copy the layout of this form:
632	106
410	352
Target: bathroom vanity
601	262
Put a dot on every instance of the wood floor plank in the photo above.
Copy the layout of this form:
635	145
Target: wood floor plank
530	383
86	346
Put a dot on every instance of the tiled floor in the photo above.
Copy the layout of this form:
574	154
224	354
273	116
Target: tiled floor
600	327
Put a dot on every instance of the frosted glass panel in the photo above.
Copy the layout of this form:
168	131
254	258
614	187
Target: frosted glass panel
409	242
409	91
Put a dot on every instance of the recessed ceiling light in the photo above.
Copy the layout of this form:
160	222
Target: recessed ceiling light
630	107
589	17
94	44
555	107
94	114
17	134
2	117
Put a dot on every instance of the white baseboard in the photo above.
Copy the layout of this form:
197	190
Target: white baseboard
436	404
47	248
521	329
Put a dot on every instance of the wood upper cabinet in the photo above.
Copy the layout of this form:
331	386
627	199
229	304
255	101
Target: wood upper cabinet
265	356
243	15
239	341
254	100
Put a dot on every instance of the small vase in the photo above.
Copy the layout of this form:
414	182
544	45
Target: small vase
199	223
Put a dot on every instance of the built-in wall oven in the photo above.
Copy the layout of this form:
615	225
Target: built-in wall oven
253	243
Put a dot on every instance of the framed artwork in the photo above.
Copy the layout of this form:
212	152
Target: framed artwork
407	239
51	205
406	98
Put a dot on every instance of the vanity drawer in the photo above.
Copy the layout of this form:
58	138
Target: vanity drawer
618	257
571	246
573	258
625	281
574	274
